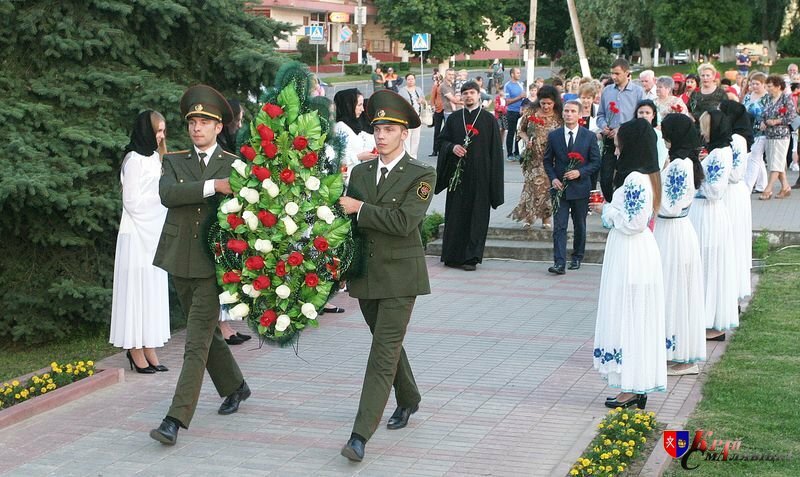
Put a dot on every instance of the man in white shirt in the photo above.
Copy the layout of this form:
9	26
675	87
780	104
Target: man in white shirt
648	80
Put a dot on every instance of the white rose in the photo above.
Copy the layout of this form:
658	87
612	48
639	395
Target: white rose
291	208
239	311
272	188
283	291
250	291
325	213
250	195
231	207
240	167
263	246
251	220
291	227
309	311
283	322
226	298
312	183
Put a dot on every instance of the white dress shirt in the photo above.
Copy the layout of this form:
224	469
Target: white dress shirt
208	186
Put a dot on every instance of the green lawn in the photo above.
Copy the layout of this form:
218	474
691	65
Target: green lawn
753	393
18	359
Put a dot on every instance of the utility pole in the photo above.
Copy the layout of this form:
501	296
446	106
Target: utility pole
531	63
576	30
359	21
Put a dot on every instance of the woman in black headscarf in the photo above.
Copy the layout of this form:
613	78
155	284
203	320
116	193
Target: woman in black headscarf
140	301
647	109
359	144
630	311
738	196
711	221
684	299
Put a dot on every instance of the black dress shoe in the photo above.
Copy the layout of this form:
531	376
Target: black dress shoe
354	449
557	269
469	267
574	265
167	433
243	337
717	338
231	403
400	417
234	340
640	400
146	370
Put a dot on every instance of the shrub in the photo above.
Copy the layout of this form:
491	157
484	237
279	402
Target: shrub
430	227
399	66
357	69
308	52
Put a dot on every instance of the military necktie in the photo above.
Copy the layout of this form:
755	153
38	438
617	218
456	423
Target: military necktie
384	171
571	142
202	161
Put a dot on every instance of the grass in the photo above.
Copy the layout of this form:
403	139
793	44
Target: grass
753	393
18	359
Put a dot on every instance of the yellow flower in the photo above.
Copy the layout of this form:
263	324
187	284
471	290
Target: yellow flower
81	363
90	363
15	383
90	373
586	461
33	389
631	443
644	439
620	468
573	472
600	426
54	364
615	451
607	442
624	417
609	468
16	396
46	376
43	390
629	453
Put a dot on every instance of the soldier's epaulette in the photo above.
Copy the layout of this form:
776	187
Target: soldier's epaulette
418	163
228	154
185	152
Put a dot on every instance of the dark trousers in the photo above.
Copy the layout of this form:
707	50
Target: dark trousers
388	364
438	120
608	165
577	208
205	348
512	148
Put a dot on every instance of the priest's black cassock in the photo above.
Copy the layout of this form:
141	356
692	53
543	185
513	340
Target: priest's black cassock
466	215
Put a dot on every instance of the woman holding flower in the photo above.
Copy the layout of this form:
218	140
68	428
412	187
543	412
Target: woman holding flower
140	300
536	122
665	101
779	112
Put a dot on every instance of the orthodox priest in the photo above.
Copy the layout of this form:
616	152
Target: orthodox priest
470	168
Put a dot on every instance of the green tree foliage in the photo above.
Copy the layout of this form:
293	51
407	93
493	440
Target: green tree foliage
768	17
309	53
73	76
703	25
552	22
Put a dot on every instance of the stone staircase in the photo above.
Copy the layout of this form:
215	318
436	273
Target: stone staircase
534	244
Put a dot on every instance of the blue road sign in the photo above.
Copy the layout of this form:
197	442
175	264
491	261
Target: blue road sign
420	42
616	40
315	33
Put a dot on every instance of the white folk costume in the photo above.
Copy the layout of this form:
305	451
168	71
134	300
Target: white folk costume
737	200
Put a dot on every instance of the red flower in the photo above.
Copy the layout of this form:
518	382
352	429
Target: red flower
231	277
613	107
310	159
237	246
248	152
312	280
280	268
582	122
266	133
782	110
270	149
261	172
576	156
300	143
273	110
268	318
261	282
267	218
235	221
677	108
472	130
287	176
321	244
295	259
254	263
374	150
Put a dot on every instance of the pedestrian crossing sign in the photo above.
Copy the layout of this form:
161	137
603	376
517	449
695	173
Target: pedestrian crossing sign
420	42
316	32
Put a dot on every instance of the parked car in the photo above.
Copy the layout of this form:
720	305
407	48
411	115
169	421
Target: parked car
681	57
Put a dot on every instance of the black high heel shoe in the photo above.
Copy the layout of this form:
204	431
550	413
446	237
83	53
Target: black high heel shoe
640	400
158	367
148	370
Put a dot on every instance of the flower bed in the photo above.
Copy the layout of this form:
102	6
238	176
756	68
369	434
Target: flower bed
622	436
59	376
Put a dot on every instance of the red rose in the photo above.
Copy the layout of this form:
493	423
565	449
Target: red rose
270	149
273	110
280	268
268	318
237	246
321	244
287	176
312	280
231	277
267	218
254	263
261	173
575	156
310	159
266	133
235	221
782	110
374	150
248	152
261	282
295	259
472	129
300	143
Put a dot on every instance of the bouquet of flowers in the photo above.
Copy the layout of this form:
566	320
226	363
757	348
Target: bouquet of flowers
576	159
470	132
676	108
613	110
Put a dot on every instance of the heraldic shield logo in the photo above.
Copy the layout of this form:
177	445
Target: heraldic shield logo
676	443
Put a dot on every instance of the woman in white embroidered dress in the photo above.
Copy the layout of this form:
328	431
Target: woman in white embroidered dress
629	334
359	144
711	221
684	298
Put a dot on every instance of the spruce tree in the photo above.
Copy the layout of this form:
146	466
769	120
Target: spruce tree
73	76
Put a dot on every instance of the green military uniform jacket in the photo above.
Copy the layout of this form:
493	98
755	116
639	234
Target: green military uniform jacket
389	225
182	248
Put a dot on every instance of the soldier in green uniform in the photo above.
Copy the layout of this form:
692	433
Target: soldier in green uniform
189	182
388	197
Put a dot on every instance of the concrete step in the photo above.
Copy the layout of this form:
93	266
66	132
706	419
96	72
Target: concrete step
537	250
537	234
